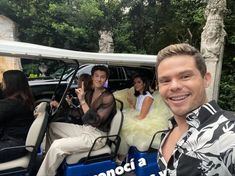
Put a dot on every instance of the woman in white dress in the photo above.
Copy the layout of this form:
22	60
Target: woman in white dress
140	107
144	99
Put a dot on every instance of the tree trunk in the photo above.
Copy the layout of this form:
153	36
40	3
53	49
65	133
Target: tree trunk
106	42
212	43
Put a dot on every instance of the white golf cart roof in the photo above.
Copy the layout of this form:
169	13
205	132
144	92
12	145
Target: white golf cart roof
34	51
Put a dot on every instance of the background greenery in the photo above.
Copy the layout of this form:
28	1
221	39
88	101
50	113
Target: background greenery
138	26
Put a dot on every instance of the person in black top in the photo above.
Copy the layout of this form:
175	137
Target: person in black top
99	108
70	110
1	93
16	113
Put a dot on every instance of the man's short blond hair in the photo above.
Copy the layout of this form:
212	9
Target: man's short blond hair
182	49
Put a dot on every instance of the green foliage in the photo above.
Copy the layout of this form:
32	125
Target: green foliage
31	70
122	35
31	67
156	24
227	86
227	92
56	23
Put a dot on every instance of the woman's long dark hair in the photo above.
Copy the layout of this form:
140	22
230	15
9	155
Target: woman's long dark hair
17	87
86	78
145	81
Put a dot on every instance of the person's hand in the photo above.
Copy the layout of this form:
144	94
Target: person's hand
130	100
69	99
138	117
80	92
54	104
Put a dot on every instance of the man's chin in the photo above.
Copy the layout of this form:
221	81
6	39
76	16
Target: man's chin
179	112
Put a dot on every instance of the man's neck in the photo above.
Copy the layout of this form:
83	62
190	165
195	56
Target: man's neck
101	89
181	123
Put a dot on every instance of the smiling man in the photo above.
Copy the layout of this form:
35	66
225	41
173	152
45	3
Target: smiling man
201	137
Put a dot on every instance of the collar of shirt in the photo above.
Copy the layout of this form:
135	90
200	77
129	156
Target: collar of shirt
195	119
197	116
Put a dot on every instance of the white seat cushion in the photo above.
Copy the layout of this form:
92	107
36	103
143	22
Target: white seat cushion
22	162
74	158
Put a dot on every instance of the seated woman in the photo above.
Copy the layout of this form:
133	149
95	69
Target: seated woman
142	105
71	111
99	108
144	100
1	93
16	113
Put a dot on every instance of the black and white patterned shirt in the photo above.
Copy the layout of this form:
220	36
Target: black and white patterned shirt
207	148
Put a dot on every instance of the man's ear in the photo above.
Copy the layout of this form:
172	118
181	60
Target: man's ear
207	79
